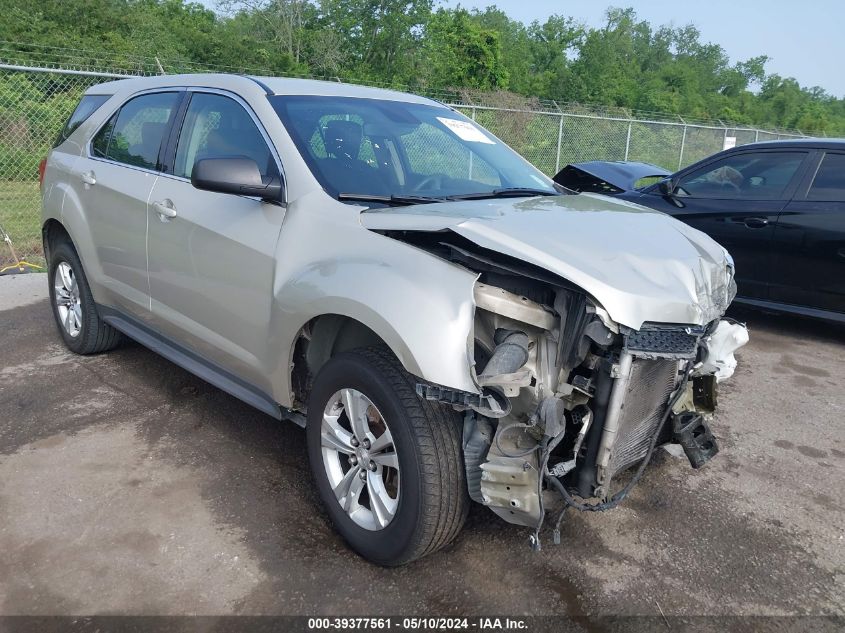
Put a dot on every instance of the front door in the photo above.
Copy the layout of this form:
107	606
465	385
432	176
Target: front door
736	200
212	255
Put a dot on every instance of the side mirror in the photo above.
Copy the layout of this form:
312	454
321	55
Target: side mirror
666	187
239	176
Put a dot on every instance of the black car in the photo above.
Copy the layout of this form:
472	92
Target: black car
778	207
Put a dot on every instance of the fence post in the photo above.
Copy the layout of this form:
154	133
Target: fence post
469	177
559	141
683	143
628	139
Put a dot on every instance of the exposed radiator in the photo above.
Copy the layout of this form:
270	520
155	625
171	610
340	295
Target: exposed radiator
646	398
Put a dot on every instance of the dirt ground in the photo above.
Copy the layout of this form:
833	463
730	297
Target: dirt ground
128	486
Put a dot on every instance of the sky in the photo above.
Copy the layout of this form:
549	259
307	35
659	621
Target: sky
804	39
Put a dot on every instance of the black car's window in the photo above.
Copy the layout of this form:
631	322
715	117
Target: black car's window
218	127
87	106
134	135
829	183
744	176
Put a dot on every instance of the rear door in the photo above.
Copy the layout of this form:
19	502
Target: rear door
212	255
736	200
116	174
809	239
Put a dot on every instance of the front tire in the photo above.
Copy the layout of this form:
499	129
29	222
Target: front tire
79	324
390	474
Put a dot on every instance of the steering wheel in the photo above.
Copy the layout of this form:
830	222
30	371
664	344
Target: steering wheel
434	181
731	186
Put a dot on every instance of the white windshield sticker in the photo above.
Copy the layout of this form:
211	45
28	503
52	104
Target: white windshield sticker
466	130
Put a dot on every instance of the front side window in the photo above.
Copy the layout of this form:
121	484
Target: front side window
134	135
218	127
829	183
381	148
745	176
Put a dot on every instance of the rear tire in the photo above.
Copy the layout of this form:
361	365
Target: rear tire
430	502
77	320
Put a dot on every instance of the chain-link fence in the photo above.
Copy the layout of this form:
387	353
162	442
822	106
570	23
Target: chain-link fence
36	102
34	105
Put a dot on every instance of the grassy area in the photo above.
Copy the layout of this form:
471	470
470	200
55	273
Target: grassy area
20	216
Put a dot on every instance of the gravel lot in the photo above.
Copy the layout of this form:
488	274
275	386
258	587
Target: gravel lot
129	486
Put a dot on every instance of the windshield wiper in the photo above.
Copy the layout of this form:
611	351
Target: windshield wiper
394	200
404	200
509	192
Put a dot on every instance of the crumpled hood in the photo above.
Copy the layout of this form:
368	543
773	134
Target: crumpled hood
639	264
618	173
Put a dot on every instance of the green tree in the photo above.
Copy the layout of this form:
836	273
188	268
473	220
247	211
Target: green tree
461	53
627	62
381	36
551	44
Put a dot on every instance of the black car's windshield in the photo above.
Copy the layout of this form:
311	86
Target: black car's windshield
373	150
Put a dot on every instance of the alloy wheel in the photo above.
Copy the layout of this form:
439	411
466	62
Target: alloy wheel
360	459
68	302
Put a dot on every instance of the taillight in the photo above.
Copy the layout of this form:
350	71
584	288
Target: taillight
42	166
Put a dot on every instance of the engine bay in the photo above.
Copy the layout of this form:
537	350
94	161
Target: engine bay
574	405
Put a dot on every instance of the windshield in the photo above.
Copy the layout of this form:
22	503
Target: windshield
359	148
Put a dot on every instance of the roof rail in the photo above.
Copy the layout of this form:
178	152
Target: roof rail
264	86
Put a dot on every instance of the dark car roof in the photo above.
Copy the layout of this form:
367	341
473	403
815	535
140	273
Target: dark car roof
804	143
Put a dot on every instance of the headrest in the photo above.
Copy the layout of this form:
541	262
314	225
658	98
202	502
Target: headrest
151	132
343	138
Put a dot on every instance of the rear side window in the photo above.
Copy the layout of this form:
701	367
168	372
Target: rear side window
88	105
134	135
829	183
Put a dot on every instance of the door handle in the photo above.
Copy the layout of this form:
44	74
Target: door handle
89	178
841	252
165	210
756	223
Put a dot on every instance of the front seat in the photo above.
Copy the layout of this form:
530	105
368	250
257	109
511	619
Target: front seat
229	140
344	168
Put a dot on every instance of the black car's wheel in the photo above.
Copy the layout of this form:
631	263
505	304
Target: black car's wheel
81	328
388	465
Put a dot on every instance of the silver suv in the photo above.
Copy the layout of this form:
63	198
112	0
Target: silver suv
446	323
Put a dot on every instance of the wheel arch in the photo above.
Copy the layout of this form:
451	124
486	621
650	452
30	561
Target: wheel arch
52	231
326	335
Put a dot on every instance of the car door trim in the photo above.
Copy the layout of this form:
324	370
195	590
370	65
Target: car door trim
191	361
791	308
